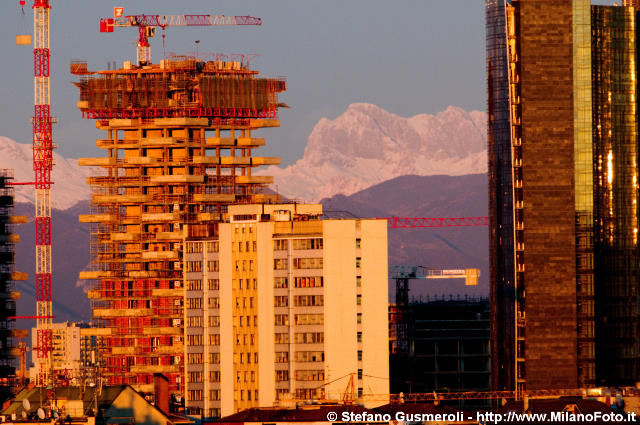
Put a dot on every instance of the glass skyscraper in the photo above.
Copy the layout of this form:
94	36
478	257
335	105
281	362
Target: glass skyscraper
563	136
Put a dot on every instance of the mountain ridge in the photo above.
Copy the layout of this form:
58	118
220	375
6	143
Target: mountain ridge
69	179
367	145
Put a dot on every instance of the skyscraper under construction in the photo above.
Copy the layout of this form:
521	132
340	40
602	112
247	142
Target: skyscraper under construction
563	178
178	150
10	378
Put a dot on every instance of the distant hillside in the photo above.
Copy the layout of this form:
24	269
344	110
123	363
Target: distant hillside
70	251
408	196
429	196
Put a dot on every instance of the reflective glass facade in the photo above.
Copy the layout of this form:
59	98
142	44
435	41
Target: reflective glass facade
583	178
563	161
502	261
615	142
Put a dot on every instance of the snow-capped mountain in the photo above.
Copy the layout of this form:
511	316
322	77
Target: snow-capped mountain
367	145
364	146
69	179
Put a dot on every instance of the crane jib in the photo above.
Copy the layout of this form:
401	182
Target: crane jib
183	20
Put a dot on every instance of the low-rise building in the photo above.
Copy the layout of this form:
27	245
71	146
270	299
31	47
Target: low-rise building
118	404
73	352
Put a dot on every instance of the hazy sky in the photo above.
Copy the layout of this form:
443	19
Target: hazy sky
407	56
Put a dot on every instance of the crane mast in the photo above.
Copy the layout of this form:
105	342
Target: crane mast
42	166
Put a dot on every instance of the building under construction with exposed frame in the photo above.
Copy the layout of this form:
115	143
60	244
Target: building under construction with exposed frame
9	348
178	150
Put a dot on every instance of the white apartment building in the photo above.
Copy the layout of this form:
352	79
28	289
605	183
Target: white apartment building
283	305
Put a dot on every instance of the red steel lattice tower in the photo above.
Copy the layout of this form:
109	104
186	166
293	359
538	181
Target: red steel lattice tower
42	166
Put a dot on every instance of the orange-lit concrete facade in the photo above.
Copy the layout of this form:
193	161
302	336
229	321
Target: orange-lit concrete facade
179	143
283	305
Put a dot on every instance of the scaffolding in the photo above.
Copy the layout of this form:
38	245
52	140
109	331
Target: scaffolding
179	147
10	350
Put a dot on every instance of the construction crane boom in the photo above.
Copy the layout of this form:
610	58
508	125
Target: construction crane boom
164	21
409	222
147	23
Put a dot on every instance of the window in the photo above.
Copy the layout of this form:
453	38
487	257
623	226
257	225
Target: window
309	282
313	243
280	282
194	266
194	247
279	244
358	242
282	338
213	284
309	319
358	281
194	339
358	262
309	337
309	375
308	300
282	357
194	303
214	302
281	301
359	373
359	318
214	321
214	395
282	320
280	264
214	339
309	356
194	358
213	246
282	375
359	355
194	285
359	299
194	321
359	336
214	376
195	395
214	358
195	376
307	263
212	266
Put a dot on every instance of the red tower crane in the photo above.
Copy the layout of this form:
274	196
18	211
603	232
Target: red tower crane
147	24
42	123
410	222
